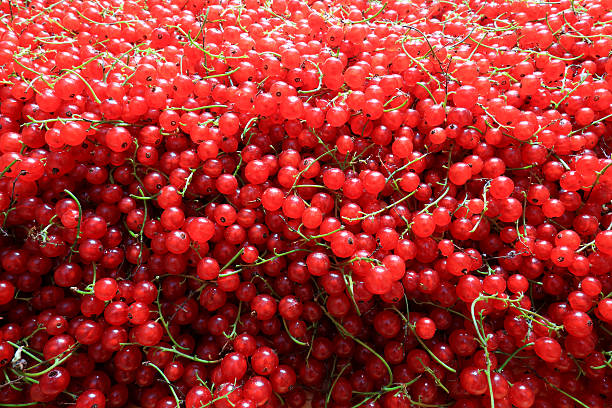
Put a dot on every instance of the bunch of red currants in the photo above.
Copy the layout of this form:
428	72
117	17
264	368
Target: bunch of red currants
322	203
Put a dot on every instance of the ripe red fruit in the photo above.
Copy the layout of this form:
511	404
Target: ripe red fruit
548	349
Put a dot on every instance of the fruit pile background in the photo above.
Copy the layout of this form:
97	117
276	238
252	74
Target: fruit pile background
335	204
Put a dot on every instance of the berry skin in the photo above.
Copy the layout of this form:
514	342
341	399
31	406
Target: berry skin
548	349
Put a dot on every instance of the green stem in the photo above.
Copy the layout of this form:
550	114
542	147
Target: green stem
373	16
231	261
187	356
7	168
576	400
360	342
484	342
176	398
296	341
518	350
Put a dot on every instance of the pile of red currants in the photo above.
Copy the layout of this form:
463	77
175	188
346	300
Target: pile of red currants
322	203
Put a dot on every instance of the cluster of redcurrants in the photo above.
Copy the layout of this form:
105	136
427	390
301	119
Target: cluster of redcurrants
285	203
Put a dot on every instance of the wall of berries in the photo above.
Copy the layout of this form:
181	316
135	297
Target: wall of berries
318	203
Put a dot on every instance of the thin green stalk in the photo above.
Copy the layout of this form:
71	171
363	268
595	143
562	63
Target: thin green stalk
176	398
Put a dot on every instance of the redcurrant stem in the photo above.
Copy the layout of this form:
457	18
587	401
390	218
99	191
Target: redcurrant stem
431	353
576	400
296	341
231	261
367	399
402	386
187	356
215	400
117	59
361	258
234	326
404	198
127	78
263	261
327	233
297	177
7	168
484	343
238	19
176	398
599	173
232	272
421	342
165	324
247	127
198	108
592	123
153	197
373	16
266	283
305	238
546	323
21	349
608	363
328	396
410	163
188	181
568	94
10	383
39	75
484	208
57	361
428	206
309	186
362	343
318	88
422	404
348	281
88	291
397	107
513	355
417	62
78	203
22	377
201	48
141	234
437	380
93	93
